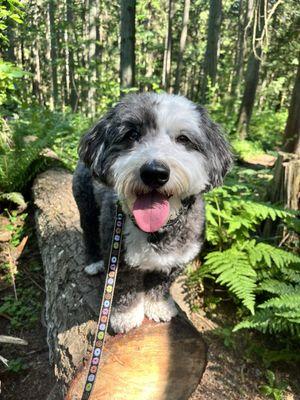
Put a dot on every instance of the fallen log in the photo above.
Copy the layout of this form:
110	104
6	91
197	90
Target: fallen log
157	361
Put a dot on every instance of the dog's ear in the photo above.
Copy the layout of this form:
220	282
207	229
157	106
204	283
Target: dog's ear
218	151
91	142
92	145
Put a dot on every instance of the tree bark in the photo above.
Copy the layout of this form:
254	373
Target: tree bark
166	75
292	129
71	64
251	79
72	298
245	12
212	47
183	36
35	57
53	51
127	64
251	82
11	54
285	186
93	10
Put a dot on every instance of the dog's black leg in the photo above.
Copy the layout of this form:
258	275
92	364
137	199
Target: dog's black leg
89	215
128	302
159	305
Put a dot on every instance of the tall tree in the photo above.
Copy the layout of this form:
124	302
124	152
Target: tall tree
93	54
245	13
166	75
252	72
127	67
183	36
212	47
53	51
35	54
292	129
73	100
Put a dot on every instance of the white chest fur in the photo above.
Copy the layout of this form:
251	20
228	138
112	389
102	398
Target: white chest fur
140	253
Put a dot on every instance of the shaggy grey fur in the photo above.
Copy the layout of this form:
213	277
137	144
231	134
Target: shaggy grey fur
132	119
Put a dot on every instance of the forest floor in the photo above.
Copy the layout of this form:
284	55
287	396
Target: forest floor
231	375
232	372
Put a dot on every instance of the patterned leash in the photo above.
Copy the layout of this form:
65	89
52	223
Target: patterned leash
105	309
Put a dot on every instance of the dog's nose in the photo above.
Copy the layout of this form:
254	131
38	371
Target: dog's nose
155	174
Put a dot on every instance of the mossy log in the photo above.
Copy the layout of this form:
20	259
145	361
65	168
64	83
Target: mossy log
155	361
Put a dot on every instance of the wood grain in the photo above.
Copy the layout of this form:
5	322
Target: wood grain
154	362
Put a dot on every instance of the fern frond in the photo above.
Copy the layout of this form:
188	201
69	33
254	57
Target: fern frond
267	321
285	301
263	211
276	287
234	271
292	315
270	254
292	273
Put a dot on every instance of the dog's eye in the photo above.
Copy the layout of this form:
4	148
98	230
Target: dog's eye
183	139
132	135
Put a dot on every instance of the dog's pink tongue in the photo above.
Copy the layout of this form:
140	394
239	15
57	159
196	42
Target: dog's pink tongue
151	211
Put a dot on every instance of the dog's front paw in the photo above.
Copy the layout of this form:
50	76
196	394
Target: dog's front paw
94	268
160	310
122	322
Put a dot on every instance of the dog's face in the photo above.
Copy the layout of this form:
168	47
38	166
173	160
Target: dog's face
156	150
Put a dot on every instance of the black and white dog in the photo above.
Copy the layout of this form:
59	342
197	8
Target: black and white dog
157	154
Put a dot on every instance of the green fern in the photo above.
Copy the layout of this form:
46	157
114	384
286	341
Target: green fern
281	312
285	301
270	255
233	269
265	278
274	286
268	320
235	217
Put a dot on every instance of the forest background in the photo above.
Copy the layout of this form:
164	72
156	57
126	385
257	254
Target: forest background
63	64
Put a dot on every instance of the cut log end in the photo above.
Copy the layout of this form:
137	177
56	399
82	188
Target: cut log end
153	362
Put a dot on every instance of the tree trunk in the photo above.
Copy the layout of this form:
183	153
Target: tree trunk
10	54
35	57
70	27
166	75
183	36
251	79
285	186
72	296
251	82
145	357
93	11
53	51
127	64
212	47
245	12
292	129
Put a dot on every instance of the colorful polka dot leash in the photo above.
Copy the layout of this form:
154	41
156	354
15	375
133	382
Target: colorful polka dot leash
105	309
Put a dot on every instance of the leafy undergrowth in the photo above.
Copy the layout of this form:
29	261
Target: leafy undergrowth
251	262
21	272
28	135
22	297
